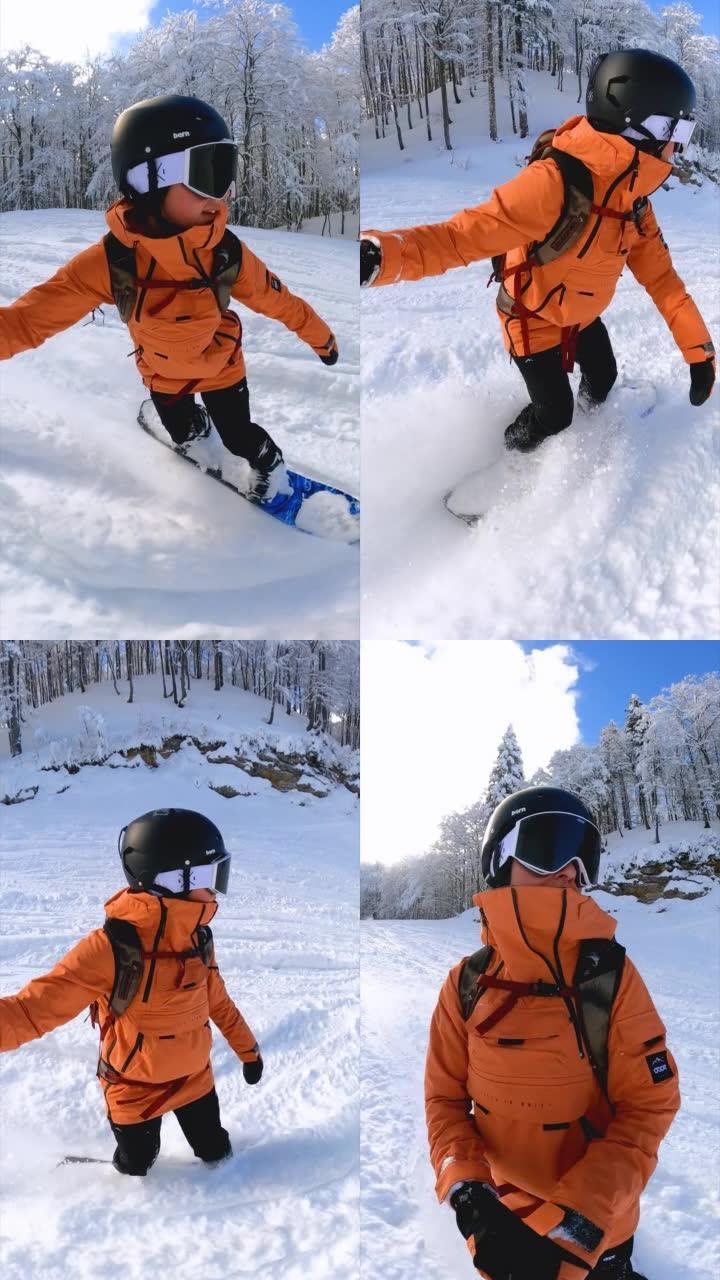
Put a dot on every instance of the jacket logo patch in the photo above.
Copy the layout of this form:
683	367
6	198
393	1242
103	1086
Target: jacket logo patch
275	284
659	1067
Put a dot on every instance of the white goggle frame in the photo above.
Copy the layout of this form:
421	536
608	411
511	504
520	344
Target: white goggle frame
664	129
508	845
171	169
201	877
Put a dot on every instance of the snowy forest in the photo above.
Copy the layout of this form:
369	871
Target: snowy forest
295	113
315	678
481	49
662	765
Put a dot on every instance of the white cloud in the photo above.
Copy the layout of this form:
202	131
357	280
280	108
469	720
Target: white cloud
432	719
66	31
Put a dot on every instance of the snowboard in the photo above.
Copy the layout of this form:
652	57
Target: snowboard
82	1160
312	506
473	497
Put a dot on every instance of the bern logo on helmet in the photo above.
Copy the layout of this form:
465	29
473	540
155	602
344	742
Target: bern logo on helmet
513	812
185	133
209	853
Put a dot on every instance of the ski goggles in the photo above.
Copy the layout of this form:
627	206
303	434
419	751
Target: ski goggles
209	875
663	129
547	842
208	169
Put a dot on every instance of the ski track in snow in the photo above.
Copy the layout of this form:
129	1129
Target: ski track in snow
287	943
614	531
406	1234
105	532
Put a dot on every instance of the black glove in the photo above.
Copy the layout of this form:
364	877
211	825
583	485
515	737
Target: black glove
370	260
331	356
702	377
504	1247
252	1071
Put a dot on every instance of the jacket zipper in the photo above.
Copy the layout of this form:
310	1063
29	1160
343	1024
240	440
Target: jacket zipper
158	936
137	1046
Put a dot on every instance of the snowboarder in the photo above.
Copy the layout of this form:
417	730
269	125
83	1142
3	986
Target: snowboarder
171	267
153	984
560	234
548	1083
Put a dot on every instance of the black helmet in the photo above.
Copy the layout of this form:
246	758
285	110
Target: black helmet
632	91
544	828
168	126
171	851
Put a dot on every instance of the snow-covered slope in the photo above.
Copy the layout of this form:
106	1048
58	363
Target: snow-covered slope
286	938
615	531
106	533
405	1234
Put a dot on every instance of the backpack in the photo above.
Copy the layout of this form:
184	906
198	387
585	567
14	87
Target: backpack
577	208
129	966
595	984
124	280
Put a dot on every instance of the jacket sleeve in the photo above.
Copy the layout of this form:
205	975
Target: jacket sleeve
257	288
60	995
73	292
456	1149
643	1088
228	1019
651	264
519	211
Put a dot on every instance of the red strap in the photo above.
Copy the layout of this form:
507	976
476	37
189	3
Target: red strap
182	392
505	984
167	1093
148	283
499	1013
526	265
604	212
568	346
524	988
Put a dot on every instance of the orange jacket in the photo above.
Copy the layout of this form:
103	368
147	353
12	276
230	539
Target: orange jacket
573	289
164	1036
525	1078
180	335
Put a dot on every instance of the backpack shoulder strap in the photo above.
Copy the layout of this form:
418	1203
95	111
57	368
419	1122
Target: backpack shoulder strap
123	273
127	950
468	990
575	211
597	979
227	260
206	945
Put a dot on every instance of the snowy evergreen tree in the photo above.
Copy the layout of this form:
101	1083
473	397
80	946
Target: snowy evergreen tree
507	774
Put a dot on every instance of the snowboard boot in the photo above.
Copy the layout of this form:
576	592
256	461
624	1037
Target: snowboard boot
268	477
200	427
526	433
586	400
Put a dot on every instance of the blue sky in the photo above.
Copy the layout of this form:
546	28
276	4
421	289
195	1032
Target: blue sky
710	10
317	19
617	668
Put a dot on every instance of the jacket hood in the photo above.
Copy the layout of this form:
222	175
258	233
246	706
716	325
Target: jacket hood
520	922
143	910
171	249
607	155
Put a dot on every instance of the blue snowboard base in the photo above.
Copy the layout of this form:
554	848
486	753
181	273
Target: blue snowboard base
284	506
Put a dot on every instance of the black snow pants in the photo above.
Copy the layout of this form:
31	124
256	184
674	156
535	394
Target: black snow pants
229	409
138	1144
549	386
